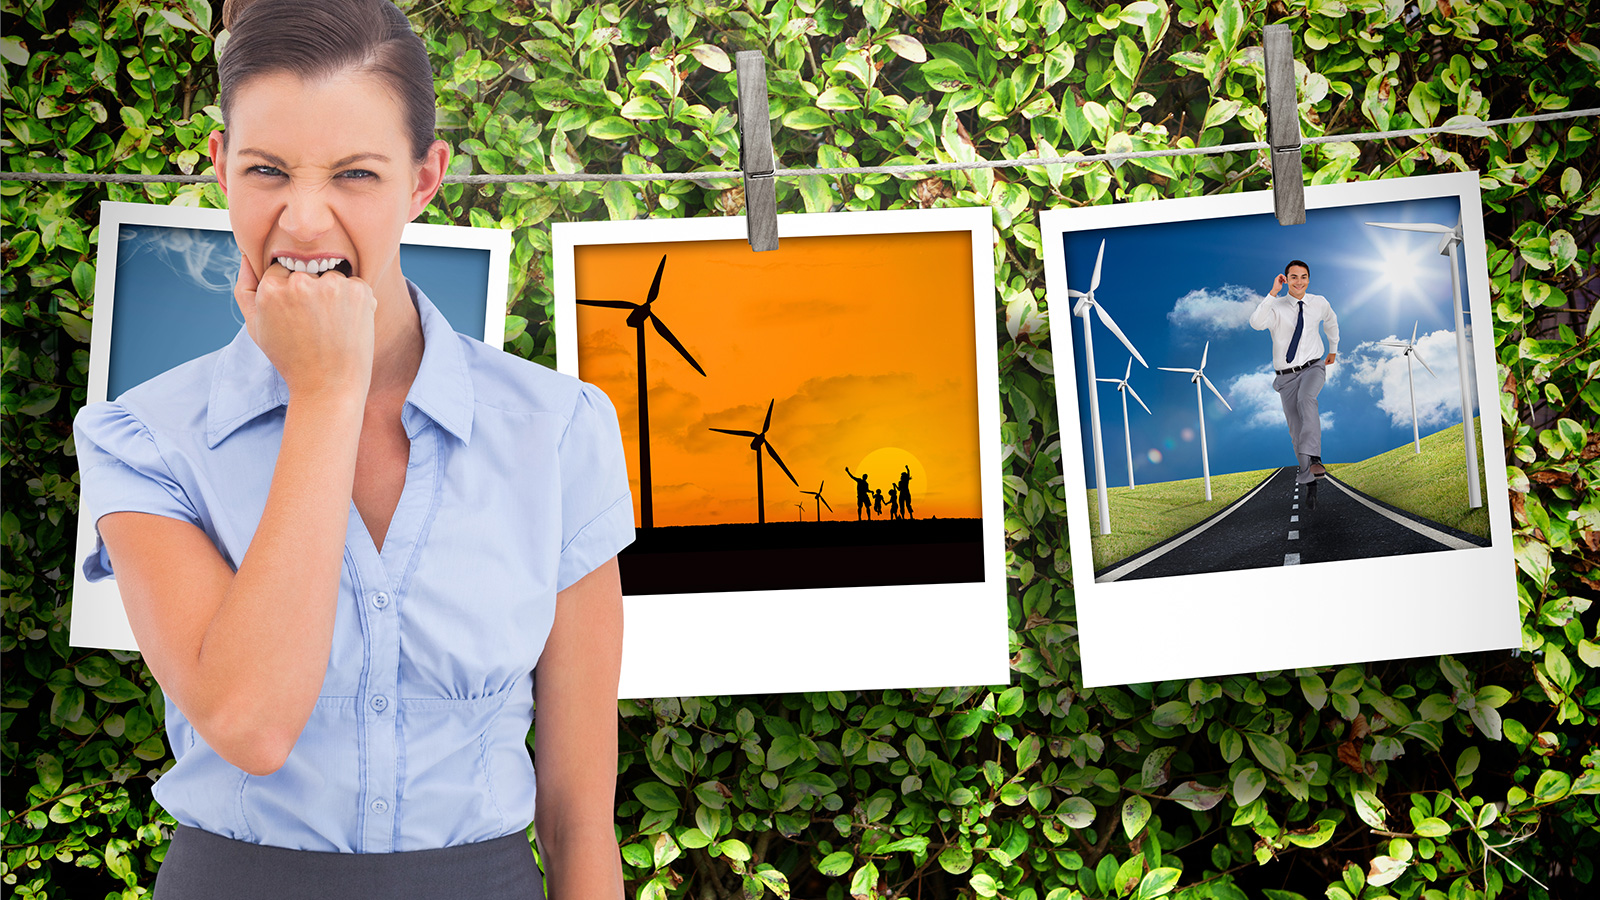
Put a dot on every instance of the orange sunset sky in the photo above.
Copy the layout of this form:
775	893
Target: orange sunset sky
865	342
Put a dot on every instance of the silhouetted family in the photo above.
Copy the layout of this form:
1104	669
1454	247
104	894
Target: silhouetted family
870	501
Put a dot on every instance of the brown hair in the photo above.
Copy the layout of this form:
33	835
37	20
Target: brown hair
317	39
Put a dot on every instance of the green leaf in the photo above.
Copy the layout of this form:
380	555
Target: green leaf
1229	24
657	796
907	47
1370	808
1135	813
1196	796
807	118
47	767
1173	712
1157	883
1270	751
643	108
1314	836
612	128
1432	827
1076	812
1552	786
1248	785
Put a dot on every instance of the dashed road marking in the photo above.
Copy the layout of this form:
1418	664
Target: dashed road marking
1294	535
1296	506
1294	518
1291	559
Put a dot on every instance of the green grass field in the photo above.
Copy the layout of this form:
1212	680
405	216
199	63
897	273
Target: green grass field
1150	513
1432	484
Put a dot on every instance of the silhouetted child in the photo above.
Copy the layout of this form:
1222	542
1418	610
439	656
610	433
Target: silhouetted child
894	502
877	501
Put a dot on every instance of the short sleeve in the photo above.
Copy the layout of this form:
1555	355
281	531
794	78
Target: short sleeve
596	504
121	470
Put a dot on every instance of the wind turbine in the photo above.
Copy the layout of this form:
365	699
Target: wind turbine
820	501
1449	239
1124	388
757	441
1086	302
800	516
640	314
1410	350
1198	376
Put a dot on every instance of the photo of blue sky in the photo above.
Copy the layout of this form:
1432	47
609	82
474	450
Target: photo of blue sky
1173	286
174	296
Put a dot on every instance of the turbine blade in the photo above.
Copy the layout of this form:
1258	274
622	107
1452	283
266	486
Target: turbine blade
1072	293
609	304
1205	353
775	458
1129	370
1100	257
1169	369
1424	365
768	423
1105	319
661	329
1392	344
1414	325
825	503
1425	227
1136	397
1110	380
748	434
655	286
1217	392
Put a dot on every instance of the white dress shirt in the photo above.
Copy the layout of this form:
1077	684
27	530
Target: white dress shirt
1278	315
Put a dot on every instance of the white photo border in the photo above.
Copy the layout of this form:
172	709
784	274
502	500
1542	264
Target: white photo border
1259	620
98	618
855	638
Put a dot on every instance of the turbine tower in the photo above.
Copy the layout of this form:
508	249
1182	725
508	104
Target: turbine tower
758	441
1449	239
1198	377
1124	388
1085	304
821	502
1410	350
640	314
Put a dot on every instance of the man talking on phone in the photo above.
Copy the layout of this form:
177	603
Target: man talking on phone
1299	358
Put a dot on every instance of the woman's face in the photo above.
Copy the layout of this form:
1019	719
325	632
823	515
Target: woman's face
319	175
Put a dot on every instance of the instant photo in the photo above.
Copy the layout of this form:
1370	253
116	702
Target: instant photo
802	426
1263	440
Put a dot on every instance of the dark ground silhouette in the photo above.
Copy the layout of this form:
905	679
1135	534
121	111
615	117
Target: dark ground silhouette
791	555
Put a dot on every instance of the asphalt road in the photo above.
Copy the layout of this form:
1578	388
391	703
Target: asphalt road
1275	526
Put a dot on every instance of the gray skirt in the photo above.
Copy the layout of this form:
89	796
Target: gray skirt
200	865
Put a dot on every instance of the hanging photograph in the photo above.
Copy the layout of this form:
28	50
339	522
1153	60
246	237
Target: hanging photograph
812	442
1264	451
164	295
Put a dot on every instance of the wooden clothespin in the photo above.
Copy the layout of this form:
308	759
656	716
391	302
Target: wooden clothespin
755	151
1283	126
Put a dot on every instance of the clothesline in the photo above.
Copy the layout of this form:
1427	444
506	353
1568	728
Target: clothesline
911	169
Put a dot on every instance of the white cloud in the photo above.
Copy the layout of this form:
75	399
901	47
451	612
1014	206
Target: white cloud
1215	311
1252	395
1383	371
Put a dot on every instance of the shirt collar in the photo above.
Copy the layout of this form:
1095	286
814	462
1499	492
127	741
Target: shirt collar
246	384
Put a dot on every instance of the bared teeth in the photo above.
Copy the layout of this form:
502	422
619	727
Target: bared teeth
311	267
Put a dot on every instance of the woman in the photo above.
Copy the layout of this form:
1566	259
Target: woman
345	540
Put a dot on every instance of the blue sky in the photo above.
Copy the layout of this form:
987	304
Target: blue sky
1172	287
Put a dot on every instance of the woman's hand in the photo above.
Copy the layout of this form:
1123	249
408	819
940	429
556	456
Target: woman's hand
318	331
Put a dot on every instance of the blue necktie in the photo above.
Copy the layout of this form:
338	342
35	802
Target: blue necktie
1299	326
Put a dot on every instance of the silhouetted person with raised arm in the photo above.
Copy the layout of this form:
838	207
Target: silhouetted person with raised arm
863	494
894	502
905	494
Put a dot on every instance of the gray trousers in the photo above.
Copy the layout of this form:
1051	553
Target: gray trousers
203	866
1298	392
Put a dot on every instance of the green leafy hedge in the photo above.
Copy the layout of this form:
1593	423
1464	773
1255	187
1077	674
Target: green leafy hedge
1449	777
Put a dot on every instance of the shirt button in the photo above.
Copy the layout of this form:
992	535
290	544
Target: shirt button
380	703
380	599
380	805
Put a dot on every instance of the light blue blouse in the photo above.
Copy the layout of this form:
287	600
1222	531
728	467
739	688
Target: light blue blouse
516	488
